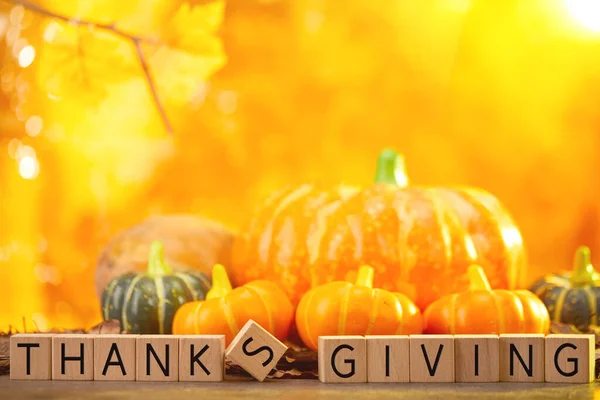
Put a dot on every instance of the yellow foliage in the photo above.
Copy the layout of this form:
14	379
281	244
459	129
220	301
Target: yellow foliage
501	95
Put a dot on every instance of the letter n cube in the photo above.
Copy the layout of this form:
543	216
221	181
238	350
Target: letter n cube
342	359
255	350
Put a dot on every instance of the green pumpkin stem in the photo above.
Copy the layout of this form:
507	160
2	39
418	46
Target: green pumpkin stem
391	169
156	261
365	276
477	279
583	272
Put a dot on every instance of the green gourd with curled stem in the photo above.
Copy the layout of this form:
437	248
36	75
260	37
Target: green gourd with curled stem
573	297
145	302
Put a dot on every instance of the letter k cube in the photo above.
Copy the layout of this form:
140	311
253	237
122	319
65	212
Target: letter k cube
201	358
255	350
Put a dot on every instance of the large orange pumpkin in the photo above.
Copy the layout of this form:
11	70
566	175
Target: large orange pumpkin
420	240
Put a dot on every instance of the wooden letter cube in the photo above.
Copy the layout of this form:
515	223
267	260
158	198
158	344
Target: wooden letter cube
431	358
114	357
255	350
31	356
388	358
570	358
522	358
73	357
157	358
201	358
477	358
342	359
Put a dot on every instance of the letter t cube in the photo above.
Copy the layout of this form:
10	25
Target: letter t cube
255	350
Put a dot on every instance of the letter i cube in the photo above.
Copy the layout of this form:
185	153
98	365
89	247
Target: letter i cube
342	359
255	350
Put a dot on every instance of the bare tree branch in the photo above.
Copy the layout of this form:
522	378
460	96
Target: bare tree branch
152	87
135	40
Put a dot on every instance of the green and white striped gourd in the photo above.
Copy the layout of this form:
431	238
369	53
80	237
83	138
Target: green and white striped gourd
146	302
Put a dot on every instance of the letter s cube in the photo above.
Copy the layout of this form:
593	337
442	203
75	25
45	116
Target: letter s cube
255	350
342	359
570	358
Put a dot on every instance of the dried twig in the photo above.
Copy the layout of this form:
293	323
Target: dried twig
135	40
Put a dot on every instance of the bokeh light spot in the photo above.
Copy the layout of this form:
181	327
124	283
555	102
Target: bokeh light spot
26	56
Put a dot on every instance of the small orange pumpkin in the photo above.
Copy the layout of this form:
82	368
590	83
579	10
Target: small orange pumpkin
482	310
225	311
343	308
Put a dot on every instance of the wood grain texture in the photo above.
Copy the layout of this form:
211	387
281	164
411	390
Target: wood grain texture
201	358
522	358
31	356
73	357
255	350
388	358
342	359
157	358
304	389
115	358
431	358
569	358
477	358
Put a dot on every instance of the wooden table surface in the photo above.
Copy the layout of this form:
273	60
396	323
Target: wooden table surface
288	389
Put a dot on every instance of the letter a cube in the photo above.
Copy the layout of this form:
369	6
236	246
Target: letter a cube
114	358
255	350
342	359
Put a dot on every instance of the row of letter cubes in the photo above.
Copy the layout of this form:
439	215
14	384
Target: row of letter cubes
142	357
459	358
341	359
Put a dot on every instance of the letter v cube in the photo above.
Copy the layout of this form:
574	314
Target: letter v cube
255	350
201	358
432	358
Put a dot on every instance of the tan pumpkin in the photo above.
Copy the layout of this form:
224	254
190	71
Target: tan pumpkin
190	243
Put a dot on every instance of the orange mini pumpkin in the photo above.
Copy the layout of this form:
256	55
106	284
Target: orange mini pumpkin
343	308
225	311
420	240
481	310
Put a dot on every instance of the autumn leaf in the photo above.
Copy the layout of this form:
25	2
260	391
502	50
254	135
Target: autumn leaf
89	47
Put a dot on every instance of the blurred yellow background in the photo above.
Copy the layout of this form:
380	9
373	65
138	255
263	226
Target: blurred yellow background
504	95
